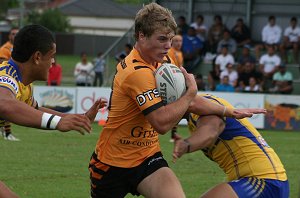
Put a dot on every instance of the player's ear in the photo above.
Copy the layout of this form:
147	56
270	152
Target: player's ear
141	35
37	57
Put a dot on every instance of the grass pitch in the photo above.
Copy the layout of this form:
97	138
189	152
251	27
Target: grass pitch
54	165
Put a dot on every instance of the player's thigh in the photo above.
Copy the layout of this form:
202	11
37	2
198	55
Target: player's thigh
161	184
223	190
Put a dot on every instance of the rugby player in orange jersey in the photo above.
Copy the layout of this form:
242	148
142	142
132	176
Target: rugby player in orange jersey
127	157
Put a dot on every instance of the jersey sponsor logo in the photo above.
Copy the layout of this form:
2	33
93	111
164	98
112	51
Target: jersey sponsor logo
10	82
139	131
263	141
147	96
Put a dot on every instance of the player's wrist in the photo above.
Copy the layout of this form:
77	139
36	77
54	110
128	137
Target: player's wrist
49	121
188	145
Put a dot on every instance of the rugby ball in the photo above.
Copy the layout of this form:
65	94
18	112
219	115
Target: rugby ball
170	82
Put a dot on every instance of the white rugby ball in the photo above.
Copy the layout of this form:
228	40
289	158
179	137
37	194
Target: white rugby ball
170	82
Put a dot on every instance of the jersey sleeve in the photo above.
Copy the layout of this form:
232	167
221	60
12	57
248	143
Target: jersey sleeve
9	83
141	87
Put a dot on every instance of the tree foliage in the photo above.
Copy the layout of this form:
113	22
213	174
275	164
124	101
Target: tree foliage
53	19
5	5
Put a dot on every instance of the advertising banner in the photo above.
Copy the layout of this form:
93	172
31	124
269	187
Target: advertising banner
61	99
283	112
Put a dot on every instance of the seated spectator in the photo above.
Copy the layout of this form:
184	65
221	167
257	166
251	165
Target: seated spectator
55	74
200	83
271	35
215	34
227	41
253	86
175	52
269	62
84	72
231	73
99	68
248	72
182	25
241	33
244	58
282	81
123	54
200	27
191	49
291	40
223	59
224	85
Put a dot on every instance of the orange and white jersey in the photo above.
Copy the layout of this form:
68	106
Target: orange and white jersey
127	138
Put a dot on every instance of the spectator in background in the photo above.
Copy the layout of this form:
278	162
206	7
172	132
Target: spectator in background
200	83
200	28
244	58
99	68
215	34
5	55
6	49
282	81
241	33
227	41
271	35
269	62
55	74
84	72
268	65
191	48
175	52
182	25
123	54
231	73
224	85
248	72
213	77
253	86
291	39
223	59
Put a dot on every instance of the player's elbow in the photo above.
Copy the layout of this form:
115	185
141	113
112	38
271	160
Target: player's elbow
161	127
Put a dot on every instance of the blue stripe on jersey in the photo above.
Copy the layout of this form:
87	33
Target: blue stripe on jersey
15	66
234	129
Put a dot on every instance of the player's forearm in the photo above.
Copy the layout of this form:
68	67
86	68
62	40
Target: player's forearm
166	117
203	106
20	113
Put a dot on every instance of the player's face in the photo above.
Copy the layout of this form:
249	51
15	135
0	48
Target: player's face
156	47
45	63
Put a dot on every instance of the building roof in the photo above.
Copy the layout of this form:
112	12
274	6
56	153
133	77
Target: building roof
99	8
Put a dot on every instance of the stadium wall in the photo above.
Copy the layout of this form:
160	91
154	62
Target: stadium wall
283	111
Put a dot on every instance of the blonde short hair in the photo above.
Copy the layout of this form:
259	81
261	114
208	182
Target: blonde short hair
153	17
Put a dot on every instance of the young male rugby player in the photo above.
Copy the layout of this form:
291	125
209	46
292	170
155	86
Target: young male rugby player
127	157
32	55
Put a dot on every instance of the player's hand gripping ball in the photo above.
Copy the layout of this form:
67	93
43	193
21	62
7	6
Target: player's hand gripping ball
170	82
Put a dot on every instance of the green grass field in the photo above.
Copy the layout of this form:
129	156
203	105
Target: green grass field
54	165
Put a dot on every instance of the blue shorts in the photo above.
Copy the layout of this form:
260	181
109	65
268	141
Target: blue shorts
250	187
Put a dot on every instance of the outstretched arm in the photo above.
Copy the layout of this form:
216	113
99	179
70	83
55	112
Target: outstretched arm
202	106
22	114
206	134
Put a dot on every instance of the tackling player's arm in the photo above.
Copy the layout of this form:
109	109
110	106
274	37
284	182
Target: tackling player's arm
22	114
207	131
209	108
166	117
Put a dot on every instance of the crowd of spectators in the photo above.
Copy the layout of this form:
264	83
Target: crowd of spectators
238	64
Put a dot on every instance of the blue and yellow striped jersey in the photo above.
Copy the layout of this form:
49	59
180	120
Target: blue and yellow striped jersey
11	79
240	150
